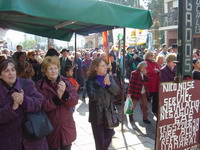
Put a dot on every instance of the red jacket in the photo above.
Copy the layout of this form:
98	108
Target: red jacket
153	83
136	83
64	132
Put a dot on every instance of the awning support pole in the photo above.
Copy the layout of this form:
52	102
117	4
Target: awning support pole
75	47
123	94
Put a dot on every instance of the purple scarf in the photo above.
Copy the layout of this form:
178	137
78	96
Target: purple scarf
100	79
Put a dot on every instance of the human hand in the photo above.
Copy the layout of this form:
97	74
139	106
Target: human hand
18	97
134	56
156	70
107	80
15	105
61	89
114	75
129	95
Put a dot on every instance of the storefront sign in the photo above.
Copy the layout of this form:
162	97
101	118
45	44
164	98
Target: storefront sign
185	36
196	13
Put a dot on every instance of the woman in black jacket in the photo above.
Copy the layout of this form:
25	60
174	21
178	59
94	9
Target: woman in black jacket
101	90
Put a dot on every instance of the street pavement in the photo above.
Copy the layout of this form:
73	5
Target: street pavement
135	135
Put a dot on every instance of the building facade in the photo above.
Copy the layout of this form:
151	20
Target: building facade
170	24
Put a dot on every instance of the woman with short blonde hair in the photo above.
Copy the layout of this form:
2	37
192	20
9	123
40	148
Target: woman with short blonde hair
60	97
167	73
48	61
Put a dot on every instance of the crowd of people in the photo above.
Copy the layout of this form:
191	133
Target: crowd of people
55	81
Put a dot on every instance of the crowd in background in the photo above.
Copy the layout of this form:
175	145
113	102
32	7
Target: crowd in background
61	77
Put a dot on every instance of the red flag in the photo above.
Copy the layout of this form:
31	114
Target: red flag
105	44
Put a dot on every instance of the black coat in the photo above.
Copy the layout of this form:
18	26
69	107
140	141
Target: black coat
128	64
63	64
100	96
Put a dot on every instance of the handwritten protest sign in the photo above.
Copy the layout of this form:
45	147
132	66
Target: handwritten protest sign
179	113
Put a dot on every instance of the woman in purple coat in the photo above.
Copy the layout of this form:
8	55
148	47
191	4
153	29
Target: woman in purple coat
14	103
167	73
60	97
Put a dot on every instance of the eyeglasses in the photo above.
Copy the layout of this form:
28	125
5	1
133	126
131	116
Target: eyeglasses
33	54
104	66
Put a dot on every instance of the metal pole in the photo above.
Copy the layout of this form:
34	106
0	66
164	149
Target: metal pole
178	77
123	94
75	47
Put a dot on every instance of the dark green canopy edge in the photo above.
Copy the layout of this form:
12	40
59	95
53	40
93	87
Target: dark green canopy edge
42	17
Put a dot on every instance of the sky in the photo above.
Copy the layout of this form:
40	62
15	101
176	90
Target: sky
14	36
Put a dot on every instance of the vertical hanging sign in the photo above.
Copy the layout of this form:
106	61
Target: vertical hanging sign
196	17
185	37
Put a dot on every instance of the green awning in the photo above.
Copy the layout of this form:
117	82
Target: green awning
59	19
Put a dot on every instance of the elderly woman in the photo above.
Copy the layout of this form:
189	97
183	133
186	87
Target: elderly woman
160	60
101	89
60	97
138	90
153	74
167	73
14	103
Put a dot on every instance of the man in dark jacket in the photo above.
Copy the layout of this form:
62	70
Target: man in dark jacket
64	61
19	49
131	61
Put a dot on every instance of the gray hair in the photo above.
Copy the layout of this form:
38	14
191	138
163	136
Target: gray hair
142	64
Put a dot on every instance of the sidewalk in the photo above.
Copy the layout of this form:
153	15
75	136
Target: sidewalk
136	136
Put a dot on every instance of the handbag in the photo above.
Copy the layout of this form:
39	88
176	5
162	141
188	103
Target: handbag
36	124
111	116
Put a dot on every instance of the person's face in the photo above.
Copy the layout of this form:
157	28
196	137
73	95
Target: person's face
171	64
22	58
52	72
175	50
197	64
65	54
70	73
151	57
32	56
9	74
19	49
101	68
87	56
111	58
161	60
165	48
143	70
130	51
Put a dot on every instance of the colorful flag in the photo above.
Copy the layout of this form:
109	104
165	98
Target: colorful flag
105	44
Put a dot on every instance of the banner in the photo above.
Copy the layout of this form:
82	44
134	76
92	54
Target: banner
178	118
105	44
134	37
